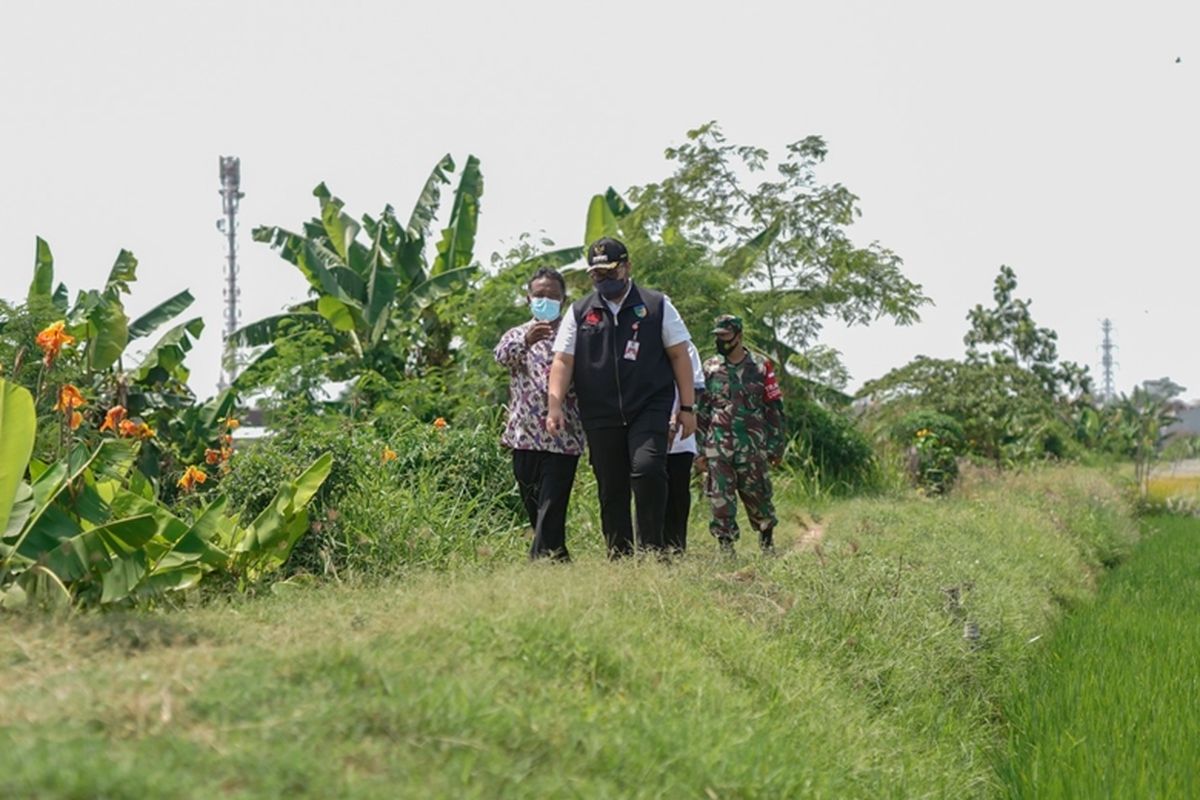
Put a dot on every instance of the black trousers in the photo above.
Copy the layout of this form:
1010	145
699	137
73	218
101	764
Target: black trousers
545	480
679	501
631	461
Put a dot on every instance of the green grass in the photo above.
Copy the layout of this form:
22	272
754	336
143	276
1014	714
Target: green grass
835	672
1113	709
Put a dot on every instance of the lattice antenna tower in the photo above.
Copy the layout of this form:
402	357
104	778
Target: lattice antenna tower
1107	363
231	179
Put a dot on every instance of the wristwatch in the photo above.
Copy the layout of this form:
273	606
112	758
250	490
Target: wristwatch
688	409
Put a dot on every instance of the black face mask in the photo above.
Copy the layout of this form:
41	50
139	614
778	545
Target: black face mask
725	346
611	288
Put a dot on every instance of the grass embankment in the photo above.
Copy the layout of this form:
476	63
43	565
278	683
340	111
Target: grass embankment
1113	709
840	672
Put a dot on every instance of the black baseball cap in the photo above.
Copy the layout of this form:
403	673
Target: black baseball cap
605	253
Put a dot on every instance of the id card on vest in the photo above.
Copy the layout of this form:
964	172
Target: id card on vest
631	350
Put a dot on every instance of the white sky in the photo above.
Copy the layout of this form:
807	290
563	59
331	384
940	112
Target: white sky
1060	138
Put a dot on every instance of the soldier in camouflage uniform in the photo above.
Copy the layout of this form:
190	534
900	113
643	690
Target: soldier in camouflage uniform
740	434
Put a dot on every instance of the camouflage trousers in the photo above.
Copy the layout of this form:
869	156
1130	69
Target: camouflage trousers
728	479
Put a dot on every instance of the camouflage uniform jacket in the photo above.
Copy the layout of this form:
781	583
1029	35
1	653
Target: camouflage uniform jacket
740	413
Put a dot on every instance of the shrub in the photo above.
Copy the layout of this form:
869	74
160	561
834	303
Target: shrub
828	447
402	492
932	443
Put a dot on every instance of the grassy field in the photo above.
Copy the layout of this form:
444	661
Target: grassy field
1113	709
835	671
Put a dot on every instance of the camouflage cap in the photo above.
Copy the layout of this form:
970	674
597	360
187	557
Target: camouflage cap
727	323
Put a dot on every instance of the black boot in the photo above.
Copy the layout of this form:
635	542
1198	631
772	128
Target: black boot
766	540
726	547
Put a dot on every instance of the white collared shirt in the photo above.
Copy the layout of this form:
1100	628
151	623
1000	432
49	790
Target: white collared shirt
688	445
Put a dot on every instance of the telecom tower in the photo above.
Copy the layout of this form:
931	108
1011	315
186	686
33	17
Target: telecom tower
231	178
1108	389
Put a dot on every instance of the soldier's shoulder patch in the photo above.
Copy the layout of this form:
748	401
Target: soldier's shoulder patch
771	391
713	364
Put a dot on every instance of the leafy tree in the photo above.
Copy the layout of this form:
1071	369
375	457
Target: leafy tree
1007	333
1012	396
783	242
1163	389
1003	410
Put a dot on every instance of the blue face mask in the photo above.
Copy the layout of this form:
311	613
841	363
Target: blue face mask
545	309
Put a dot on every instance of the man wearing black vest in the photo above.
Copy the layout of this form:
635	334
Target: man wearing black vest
625	349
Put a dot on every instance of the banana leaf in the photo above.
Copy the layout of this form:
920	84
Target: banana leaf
266	330
36	586
337	312
268	541
18	429
437	287
164	312
457	244
107	334
123	273
601	221
381	293
43	271
165	360
170	580
313	259
61	298
339	226
420	222
93	551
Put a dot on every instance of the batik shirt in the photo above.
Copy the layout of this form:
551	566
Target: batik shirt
529	380
740	413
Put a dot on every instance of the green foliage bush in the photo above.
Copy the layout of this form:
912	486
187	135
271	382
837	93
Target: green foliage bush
932	443
402	493
828	448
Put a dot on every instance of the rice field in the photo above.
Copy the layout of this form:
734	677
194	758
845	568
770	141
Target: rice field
1163	487
1113	709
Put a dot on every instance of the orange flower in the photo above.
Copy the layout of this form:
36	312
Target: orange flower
114	417
439	423
69	399
232	424
75	420
388	455
191	477
212	456
52	339
227	439
135	430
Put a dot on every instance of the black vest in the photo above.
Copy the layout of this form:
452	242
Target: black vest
613	390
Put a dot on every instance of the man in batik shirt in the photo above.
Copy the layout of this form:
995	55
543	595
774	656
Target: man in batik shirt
740	434
544	464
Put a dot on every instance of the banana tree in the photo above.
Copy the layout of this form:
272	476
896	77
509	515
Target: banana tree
88	530
374	289
1145	416
150	385
105	334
